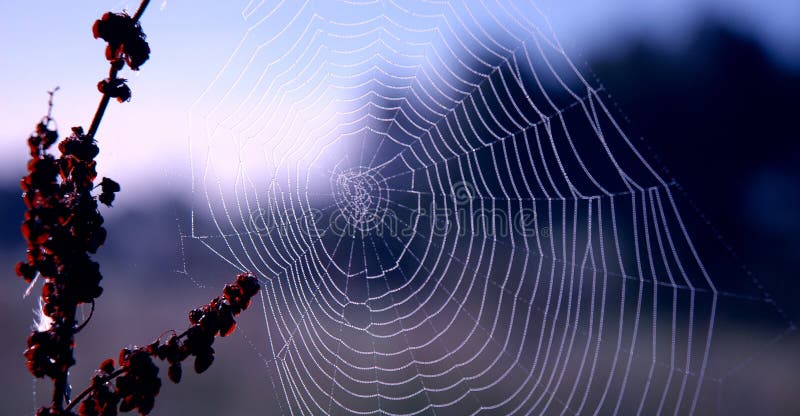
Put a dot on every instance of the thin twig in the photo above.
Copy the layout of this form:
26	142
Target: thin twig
139	12
91	313
93	386
49	115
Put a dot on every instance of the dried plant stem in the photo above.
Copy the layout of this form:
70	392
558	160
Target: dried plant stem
63	229
61	382
101	109
112	75
216	318
50	93
142	6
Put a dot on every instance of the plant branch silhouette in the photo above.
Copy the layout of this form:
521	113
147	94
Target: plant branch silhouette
64	228
111	87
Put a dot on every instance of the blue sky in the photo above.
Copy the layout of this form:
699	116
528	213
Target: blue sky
49	43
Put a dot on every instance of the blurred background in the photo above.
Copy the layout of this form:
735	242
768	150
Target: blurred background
712	86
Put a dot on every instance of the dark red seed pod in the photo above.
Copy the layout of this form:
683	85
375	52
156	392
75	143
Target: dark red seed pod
106	198
49	138
107	366
226	322
128	403
146	404
175	372
172	350
123	356
195	315
248	283
34	141
137	52
204	360
25	271
109	185
112	27
43	411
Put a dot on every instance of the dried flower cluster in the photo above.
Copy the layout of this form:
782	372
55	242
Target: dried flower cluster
62	227
125	38
215	318
137	381
127	44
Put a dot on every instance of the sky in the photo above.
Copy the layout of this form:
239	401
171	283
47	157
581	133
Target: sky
46	44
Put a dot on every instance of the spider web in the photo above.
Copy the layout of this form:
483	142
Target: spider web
448	219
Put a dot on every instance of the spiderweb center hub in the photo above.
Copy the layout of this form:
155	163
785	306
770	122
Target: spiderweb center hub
360	197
